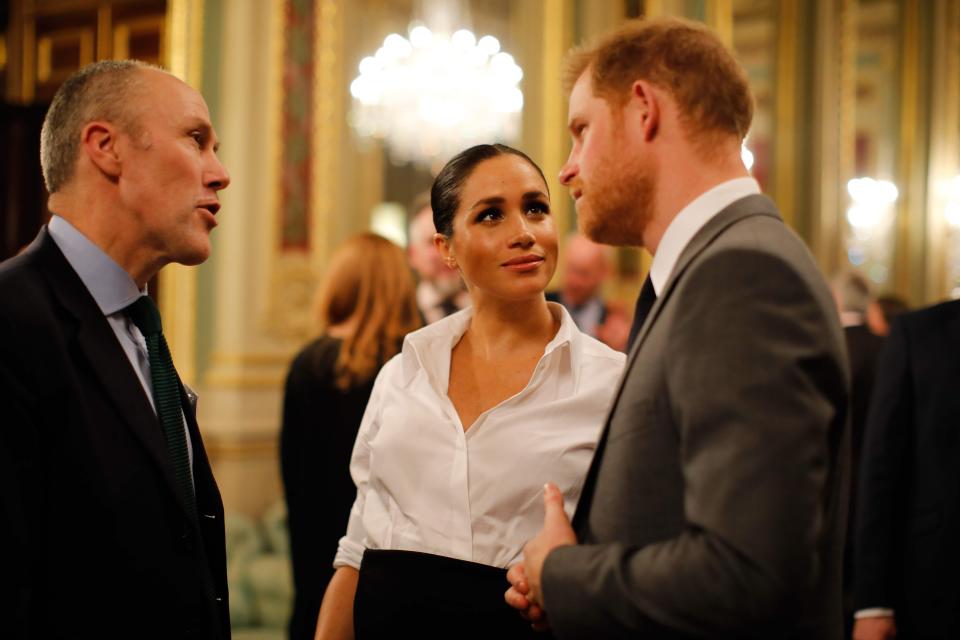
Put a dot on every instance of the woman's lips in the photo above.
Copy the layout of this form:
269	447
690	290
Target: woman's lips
525	263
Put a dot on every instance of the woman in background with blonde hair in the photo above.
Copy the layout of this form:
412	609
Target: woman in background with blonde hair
365	307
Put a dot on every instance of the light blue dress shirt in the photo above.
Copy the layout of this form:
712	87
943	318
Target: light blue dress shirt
113	290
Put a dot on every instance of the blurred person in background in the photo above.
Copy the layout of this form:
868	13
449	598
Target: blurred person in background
852	294
906	556
586	266
466	425
882	312
440	291
365	307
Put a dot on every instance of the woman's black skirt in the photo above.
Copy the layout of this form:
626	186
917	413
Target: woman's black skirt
421	595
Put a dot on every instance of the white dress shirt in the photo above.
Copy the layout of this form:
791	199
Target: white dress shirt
113	290
690	220
423	484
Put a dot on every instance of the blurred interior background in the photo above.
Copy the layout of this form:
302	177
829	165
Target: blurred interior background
334	114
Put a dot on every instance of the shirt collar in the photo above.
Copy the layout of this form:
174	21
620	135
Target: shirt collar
851	318
429	348
111	287
690	220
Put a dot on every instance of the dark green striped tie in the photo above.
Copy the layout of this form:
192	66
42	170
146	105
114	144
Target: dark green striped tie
166	394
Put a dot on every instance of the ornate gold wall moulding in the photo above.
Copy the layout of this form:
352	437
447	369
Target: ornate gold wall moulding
246	447
248	358
124	30
81	39
244	380
292	290
184	40
785	147
247	370
329	117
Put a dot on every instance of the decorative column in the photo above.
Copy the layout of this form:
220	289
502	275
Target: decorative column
942	257
242	377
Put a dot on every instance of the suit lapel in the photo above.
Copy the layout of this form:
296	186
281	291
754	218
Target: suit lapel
744	208
97	343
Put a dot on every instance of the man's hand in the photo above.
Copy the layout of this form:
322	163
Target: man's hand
525	592
517	597
878	628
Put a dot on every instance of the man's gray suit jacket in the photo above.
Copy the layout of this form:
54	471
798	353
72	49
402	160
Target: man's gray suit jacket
715	504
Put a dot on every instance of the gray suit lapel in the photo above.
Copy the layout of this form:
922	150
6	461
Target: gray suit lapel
754	205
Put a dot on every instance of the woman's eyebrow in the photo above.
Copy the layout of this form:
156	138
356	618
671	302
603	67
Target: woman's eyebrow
490	200
534	195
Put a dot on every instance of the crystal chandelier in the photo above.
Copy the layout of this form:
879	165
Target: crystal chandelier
435	93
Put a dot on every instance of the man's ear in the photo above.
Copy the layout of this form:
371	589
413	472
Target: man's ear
442	243
645	99
99	141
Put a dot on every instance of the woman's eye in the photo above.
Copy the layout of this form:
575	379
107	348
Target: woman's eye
538	208
198	138
488	214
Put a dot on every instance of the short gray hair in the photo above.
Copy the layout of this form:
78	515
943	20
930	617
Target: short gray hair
99	91
852	291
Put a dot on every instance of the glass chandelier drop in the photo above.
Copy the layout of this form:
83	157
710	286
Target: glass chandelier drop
436	93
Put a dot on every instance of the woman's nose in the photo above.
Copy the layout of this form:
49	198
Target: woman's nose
523	236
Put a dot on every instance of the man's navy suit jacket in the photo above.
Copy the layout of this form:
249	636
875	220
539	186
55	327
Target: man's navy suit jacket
907	551
96	541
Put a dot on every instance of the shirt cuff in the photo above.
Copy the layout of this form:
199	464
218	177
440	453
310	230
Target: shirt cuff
349	554
876	612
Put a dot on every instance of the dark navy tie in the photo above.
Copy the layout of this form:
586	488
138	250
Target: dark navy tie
166	394
644	303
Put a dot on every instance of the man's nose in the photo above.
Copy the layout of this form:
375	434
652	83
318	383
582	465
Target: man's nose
568	171
217	176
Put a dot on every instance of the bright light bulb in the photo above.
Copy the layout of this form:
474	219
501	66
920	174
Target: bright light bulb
501	61
432	95
397	45
463	39
861	217
489	45
420	36
867	191
368	65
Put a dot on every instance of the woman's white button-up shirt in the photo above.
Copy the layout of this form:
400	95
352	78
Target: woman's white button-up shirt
423	484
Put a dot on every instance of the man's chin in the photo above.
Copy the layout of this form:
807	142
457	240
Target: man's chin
193	256
604	233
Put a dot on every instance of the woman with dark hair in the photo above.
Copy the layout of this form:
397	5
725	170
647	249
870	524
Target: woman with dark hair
466	425
365	306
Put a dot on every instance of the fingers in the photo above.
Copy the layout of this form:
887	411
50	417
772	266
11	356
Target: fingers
538	619
553	506
534	614
517	576
517	600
